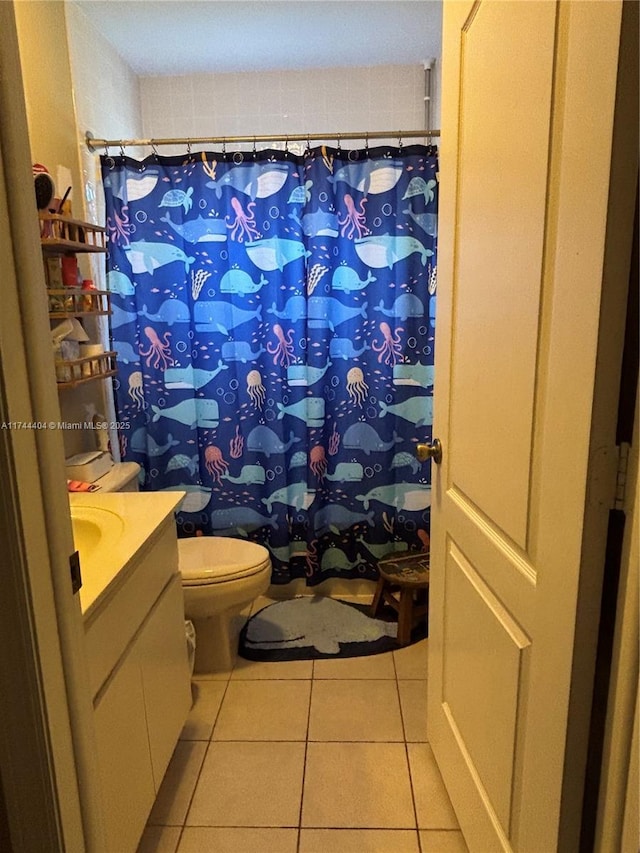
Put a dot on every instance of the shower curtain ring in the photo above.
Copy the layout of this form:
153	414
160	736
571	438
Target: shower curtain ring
254	148
224	149
108	158
122	148
286	146
339	144
366	144
188	148
154	149
400	139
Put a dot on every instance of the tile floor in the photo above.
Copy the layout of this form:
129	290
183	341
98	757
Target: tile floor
325	756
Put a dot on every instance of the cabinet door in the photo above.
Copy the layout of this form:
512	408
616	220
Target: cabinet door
123	756
165	675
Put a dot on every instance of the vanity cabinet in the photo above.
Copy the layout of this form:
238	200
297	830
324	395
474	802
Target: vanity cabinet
62	237
137	655
138	718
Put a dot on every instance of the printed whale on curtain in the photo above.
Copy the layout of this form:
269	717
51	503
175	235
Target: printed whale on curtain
148	257
199	230
275	252
370	177
222	316
256	181
249	300
385	250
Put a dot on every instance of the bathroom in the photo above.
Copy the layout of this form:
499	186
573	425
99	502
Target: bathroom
96	121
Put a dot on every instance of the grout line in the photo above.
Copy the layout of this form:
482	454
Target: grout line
406	750
180	834
304	763
204	758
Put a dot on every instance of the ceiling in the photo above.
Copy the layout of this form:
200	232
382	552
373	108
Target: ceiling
174	37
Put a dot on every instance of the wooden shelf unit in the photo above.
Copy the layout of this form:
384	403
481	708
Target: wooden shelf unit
88	369
75	302
62	235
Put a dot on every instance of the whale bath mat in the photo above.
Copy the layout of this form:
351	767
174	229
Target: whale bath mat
313	627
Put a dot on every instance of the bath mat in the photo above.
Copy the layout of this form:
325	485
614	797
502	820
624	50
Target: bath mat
313	627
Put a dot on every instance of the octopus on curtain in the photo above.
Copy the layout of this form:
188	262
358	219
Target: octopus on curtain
214	462
390	348
244	223
354	220
159	350
282	352
318	461
120	227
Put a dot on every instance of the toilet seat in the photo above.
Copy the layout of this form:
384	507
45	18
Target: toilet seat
205	560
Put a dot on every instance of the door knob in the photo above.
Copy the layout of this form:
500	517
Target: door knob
430	451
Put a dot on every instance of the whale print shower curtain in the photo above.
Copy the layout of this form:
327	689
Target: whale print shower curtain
274	319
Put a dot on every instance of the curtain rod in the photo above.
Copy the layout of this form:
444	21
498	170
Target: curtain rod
94	144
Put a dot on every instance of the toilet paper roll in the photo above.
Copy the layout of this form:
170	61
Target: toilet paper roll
90	368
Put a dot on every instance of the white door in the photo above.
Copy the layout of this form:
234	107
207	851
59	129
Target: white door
525	161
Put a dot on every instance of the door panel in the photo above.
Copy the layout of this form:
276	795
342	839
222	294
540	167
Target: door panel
521	248
505	98
481	692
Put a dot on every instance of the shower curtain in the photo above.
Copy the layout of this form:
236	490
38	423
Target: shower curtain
274	317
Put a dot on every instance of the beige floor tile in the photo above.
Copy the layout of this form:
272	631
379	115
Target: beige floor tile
413	701
447	841
264	710
367	666
254	669
261	602
411	661
357	785
249	784
365	599
433	805
212	676
360	710
159	839
207	698
359	841
179	781
235	840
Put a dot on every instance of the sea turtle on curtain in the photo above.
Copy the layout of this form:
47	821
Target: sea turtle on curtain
178	198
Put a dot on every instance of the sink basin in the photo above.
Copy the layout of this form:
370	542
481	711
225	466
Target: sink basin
110	532
93	526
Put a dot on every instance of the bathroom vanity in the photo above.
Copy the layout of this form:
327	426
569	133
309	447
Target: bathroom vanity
133	613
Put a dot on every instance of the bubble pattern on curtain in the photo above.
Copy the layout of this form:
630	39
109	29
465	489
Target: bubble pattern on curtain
274	321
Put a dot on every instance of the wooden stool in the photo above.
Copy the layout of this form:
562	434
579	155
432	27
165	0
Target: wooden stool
408	574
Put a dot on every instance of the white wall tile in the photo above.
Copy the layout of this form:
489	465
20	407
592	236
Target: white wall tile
334	100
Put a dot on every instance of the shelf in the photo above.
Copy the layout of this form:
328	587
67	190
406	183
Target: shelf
87	369
62	235
75	302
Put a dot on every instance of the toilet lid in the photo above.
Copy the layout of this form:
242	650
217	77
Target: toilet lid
213	559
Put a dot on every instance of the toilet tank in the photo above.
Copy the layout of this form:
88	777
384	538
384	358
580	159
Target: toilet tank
121	477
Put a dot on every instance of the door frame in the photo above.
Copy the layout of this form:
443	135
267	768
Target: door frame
47	756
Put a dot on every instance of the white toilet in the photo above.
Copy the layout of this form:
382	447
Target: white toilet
220	576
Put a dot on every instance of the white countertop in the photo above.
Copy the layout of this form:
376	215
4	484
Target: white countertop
128	521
